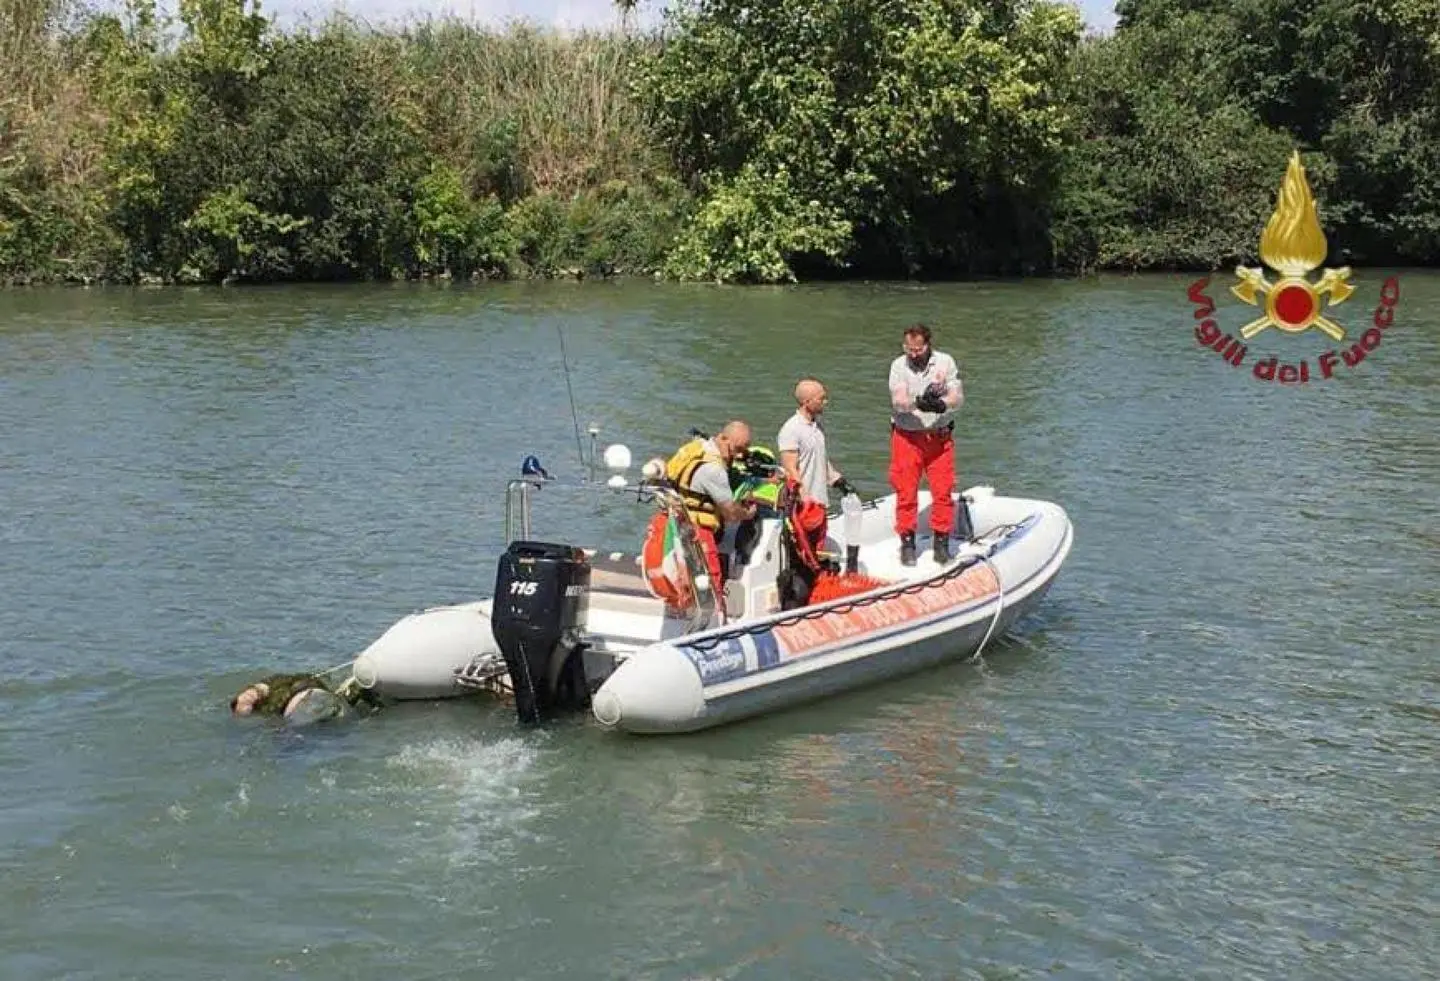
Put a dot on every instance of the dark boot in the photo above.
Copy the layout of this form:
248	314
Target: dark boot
907	548
942	548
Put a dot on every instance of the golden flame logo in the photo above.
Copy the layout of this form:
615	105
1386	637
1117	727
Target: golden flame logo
1293	244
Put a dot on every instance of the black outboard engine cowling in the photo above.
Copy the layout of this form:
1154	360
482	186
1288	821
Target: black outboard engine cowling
542	593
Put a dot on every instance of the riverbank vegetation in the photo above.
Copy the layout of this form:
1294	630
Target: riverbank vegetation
740	142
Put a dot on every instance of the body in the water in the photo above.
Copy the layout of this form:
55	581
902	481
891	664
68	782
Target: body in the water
297	698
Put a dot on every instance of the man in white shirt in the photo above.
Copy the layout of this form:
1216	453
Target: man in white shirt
803	454
806	462
925	391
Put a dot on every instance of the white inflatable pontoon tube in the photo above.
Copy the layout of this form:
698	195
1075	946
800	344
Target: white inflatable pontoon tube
655	690
417	658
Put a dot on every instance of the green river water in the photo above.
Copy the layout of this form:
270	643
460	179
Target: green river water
1211	754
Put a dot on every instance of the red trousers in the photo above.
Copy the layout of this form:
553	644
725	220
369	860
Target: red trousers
708	545
931	454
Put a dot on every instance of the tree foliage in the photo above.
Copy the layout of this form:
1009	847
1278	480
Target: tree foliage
1353	84
741	142
904	137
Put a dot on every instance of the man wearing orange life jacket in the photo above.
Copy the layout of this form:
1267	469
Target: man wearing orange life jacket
700	472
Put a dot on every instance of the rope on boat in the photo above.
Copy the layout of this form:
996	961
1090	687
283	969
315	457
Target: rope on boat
346	689
338	667
999	608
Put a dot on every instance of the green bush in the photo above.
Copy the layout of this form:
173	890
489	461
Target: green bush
911	138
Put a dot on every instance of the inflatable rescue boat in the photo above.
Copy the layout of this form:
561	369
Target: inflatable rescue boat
647	644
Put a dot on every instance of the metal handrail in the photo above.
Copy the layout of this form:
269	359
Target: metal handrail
525	487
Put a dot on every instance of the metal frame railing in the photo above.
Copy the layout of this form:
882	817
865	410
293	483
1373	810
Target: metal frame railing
519	526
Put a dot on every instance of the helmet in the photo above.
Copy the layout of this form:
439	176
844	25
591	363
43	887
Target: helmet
761	456
752	476
758	463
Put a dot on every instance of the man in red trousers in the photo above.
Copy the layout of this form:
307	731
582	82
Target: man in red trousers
925	391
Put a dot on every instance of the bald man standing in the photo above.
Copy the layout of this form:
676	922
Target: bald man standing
801	443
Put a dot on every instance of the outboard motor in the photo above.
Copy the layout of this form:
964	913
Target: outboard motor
542	594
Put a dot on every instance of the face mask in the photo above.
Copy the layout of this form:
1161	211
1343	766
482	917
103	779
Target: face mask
918	363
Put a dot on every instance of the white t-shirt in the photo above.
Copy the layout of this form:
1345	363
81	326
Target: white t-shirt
806	438
940	368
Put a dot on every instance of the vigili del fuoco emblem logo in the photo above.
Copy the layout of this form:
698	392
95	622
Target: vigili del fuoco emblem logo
1293	246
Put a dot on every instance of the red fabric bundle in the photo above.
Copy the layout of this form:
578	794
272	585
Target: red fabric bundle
831	586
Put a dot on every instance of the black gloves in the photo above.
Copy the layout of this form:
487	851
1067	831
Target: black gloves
930	402
934	398
845	487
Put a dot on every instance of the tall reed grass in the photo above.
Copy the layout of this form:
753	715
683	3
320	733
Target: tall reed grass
523	114
561	102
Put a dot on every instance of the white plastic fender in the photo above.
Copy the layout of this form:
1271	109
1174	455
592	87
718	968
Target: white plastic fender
418	656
